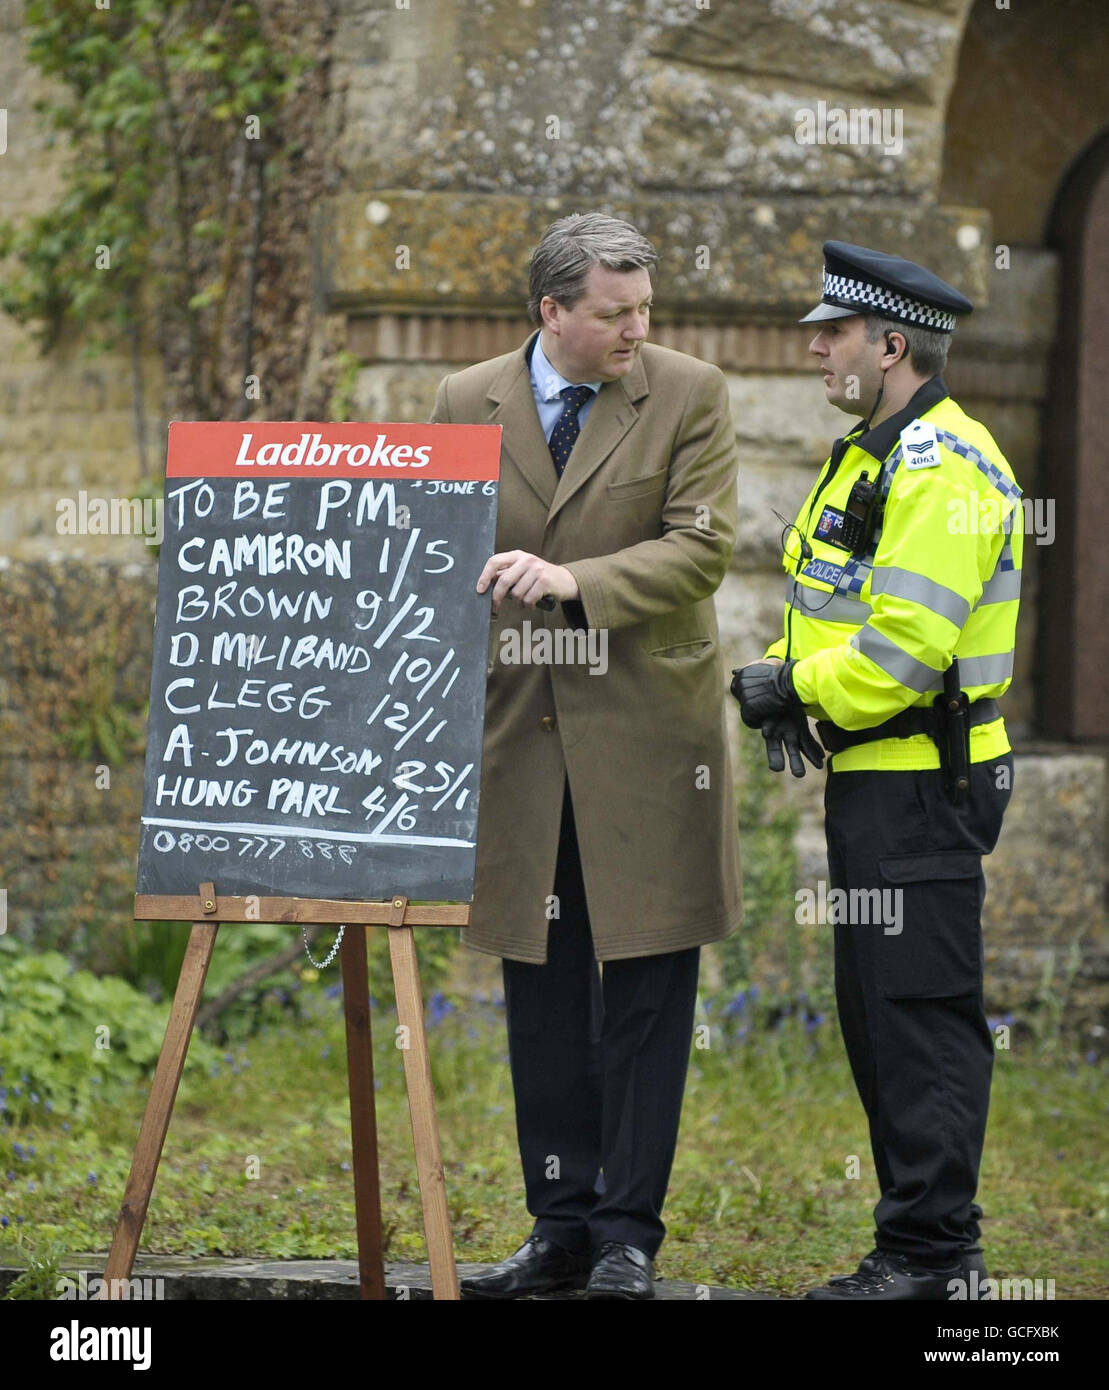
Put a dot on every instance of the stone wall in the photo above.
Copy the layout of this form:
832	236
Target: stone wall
75	643
465	129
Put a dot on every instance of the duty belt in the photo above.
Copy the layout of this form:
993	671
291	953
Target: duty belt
918	720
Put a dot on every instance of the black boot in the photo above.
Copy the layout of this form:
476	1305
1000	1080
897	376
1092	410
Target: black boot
890	1279
972	1260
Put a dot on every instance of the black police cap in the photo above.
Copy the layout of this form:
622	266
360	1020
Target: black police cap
858	280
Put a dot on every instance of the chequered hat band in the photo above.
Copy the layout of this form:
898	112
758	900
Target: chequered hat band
839	289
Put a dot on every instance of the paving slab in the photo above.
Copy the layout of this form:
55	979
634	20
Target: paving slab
185	1278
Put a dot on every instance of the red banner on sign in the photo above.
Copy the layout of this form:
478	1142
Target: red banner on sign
312	450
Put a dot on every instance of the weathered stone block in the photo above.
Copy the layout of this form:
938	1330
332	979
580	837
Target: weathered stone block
789	415
702	131
862	46
764	258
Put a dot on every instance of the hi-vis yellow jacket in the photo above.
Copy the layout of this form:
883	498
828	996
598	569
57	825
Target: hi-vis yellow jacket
873	633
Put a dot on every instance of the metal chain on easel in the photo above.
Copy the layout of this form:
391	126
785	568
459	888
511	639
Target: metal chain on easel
323	964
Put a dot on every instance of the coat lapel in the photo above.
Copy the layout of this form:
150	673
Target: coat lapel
612	415
523	439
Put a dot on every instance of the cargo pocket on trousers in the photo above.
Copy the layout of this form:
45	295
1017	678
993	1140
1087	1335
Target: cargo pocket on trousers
931	945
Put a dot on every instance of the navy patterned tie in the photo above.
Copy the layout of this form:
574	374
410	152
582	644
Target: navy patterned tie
567	429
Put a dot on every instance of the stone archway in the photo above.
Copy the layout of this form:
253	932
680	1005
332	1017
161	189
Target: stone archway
1073	654
1021	142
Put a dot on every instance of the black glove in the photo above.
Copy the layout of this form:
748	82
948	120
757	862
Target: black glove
764	690
793	731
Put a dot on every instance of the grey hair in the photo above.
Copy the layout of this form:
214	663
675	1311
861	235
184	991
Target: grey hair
927	349
570	248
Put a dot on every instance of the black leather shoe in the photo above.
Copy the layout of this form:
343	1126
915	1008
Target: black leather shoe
973	1262
621	1271
890	1279
539	1266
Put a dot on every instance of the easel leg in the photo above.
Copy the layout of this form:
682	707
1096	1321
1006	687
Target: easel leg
159	1105
421	1107
363	1117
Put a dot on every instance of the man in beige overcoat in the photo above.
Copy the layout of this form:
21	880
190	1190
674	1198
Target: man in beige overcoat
607	825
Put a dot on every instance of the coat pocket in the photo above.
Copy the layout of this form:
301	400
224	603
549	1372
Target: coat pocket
931	948
684	650
639	487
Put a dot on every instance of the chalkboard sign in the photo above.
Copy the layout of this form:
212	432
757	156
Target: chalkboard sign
318	685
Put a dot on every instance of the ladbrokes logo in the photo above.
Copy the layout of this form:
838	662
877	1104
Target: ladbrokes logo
309	451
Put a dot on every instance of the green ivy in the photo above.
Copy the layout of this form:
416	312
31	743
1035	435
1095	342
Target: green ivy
172	112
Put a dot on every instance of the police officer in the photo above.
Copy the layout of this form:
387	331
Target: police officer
903	581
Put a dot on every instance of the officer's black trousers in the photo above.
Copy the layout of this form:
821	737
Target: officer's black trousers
598	1069
909	990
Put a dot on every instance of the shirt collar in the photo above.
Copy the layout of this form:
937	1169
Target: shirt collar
548	383
880	440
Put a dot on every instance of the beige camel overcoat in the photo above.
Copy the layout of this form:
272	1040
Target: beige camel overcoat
644	516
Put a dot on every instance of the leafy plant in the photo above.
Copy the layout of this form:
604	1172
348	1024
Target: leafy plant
39	1281
69	1038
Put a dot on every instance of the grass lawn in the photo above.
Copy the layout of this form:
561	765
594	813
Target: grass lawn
759	1195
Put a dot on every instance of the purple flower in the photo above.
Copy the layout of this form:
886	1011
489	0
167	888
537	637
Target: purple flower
737	1005
91	1179
4	1221
441	1006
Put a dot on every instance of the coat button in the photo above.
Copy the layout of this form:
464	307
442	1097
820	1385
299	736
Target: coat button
547	723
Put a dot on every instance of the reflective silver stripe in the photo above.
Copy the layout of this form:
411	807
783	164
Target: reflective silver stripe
1003	585
831	608
937	598
896	661
985	670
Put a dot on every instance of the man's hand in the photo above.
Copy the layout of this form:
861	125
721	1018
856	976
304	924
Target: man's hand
527	578
764	690
793	731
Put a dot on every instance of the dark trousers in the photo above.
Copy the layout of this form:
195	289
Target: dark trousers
909	991
598	1069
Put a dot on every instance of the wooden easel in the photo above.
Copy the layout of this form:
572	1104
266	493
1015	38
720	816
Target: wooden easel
399	918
